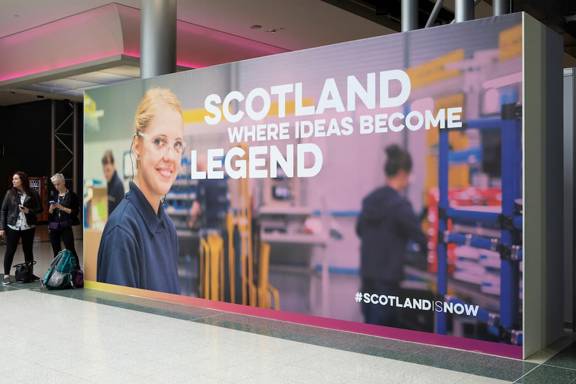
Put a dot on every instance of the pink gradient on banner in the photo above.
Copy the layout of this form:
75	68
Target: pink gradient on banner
499	349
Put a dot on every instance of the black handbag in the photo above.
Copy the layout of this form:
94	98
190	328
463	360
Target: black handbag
59	225
24	272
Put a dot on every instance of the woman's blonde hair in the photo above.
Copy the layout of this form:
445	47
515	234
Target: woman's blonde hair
147	108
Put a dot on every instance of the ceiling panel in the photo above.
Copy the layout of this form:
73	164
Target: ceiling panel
72	86
19	15
12	97
65	84
124	70
298	23
40	89
100	77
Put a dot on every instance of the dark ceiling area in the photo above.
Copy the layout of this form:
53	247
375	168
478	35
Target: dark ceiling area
387	13
559	15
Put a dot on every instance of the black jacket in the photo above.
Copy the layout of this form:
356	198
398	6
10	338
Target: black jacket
115	192
9	212
70	201
386	224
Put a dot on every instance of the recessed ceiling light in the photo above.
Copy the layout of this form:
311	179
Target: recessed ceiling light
274	30
256	26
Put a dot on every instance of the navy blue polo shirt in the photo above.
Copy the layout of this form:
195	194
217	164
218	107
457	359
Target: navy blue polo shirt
139	248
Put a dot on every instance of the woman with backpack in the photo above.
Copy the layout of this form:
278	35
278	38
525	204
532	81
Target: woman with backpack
18	221
64	208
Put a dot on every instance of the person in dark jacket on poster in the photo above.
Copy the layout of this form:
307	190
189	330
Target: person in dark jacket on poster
114	184
386	224
18	220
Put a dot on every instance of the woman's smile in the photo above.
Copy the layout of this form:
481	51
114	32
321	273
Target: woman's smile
166	171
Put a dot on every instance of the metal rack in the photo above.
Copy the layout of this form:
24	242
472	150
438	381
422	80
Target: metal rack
509	221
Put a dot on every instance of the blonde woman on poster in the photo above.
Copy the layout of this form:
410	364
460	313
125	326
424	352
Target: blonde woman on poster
139	246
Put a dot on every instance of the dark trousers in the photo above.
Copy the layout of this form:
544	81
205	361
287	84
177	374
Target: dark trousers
376	313
66	236
12	238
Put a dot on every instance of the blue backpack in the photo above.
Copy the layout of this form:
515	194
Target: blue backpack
61	271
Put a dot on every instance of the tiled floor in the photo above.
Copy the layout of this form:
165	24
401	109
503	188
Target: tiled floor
85	336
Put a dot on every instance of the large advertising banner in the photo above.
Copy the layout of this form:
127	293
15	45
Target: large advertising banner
373	186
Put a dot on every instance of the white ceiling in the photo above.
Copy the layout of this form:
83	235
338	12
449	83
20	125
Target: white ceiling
75	85
71	87
10	97
300	23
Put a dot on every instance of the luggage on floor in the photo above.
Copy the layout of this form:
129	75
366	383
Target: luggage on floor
63	272
24	272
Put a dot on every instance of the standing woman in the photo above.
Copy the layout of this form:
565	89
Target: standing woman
385	225
18	221
139	246
64	207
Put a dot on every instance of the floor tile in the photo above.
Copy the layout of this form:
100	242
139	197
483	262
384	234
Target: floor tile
317	336
35	373
466	362
131	340
548	375
267	378
565	358
473	379
552	350
136	304
473	363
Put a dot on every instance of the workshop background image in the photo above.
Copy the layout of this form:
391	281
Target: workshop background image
290	244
